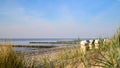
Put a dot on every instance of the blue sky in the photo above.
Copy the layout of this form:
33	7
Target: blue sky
58	18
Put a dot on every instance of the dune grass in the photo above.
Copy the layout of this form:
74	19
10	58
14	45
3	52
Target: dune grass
110	54
107	56
9	58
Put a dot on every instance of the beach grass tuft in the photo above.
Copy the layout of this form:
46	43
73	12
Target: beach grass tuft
9	58
106	56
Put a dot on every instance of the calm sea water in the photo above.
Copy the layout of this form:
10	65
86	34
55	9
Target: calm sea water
24	41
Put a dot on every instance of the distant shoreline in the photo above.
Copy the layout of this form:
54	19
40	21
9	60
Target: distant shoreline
33	46
57	42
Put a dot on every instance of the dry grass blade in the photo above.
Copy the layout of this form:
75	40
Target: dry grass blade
9	58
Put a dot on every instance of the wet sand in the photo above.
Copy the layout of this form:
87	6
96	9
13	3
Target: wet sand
42	51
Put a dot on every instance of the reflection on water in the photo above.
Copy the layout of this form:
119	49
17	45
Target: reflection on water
24	48
26	42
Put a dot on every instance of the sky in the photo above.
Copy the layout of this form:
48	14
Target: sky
59	18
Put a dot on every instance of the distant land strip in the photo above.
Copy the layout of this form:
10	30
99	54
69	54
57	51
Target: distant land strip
33	46
58	42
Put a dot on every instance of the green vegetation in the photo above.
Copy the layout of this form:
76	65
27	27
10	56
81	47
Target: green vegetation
107	56
9	58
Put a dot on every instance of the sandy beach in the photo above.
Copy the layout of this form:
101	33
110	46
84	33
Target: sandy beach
43	51
37	56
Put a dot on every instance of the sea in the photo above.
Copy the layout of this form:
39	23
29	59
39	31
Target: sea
26	41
